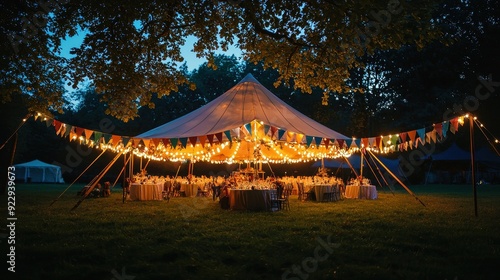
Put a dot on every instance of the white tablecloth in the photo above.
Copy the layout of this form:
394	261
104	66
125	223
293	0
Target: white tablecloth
146	191
364	191
191	190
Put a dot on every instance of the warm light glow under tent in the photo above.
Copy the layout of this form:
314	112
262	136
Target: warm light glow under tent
247	123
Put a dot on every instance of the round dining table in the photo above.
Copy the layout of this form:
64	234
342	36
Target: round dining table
254	200
191	190
361	191
321	189
146	191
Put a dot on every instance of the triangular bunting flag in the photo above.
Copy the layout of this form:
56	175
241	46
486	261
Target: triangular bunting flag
146	142
88	133
421	133
248	127
97	136
49	122
446	126
318	140
69	129
439	129
273	131
228	135
266	129
174	142
165	142
202	139
341	143
412	134
395	139
184	141
79	131
57	126
348	143
402	135
378	142
358	143
219	136
299	138
193	140
365	142
106	137
115	139
281	132
210	139
327	142
156	142
125	141
309	140
454	125
237	132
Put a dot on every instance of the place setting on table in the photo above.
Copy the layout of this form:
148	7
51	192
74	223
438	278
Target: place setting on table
361	188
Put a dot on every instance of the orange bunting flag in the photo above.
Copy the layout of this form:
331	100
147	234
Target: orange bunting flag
79	131
57	126
115	139
146	142
365	142
202	139
412	134
88	133
454	125
156	142
439	129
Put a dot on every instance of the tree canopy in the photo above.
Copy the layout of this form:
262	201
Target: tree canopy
131	49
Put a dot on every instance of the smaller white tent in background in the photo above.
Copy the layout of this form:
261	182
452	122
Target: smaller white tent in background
37	171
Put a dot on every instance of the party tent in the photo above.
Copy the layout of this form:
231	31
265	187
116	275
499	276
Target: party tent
246	123
37	171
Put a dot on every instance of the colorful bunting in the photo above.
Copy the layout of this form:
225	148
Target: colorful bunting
183	141
228	135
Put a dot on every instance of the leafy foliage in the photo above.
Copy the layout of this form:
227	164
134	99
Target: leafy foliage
131	49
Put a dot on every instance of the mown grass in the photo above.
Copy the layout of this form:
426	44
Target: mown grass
394	237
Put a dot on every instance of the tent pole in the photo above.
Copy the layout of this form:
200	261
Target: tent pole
396	178
374	174
352	168
361	167
124	179
381	175
472	159
271	169
15	131
96	181
119	175
74	181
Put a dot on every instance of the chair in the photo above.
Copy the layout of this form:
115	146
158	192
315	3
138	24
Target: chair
284	202
303	196
167	190
275	203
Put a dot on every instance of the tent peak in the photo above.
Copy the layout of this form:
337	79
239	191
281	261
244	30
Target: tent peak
249	78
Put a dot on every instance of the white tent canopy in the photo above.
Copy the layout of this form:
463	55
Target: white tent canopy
37	171
245	102
250	124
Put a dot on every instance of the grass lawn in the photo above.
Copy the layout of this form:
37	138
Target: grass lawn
394	237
